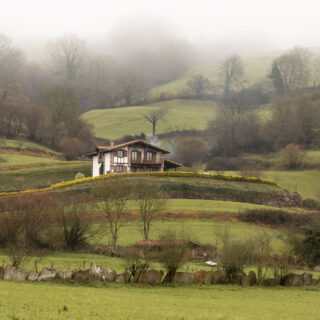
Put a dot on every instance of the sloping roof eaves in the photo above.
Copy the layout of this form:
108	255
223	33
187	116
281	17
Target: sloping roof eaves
130	143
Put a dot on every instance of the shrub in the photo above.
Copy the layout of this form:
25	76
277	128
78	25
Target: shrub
292	157
311	204
234	255
307	244
274	217
173	256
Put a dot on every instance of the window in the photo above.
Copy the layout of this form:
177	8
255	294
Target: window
134	155
119	157
149	156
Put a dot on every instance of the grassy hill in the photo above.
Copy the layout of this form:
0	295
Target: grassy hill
256	69
181	115
26	146
26	165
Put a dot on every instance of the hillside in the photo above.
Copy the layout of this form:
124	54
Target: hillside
181	115
256	69
26	165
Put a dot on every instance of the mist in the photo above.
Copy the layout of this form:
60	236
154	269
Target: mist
226	26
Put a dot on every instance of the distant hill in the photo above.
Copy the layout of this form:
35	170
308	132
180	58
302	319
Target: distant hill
181	115
256	69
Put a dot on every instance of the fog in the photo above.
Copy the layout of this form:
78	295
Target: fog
230	24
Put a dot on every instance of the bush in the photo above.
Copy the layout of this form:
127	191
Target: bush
274	217
173	256
292	157
311	204
307	244
234	255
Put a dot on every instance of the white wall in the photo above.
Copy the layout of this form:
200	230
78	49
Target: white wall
95	166
107	162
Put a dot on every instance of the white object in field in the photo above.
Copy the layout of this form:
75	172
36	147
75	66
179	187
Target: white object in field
211	263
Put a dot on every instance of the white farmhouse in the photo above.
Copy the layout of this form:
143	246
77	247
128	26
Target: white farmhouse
136	155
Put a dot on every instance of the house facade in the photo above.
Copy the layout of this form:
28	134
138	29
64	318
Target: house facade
133	156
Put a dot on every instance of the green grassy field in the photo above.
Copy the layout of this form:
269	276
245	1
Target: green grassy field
19	171
16	160
25	145
305	182
256	69
29	301
209	206
203	231
181	115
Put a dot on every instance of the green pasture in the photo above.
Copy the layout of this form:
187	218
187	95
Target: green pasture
25	145
38	301
115	123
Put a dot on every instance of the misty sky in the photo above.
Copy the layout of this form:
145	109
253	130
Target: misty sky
283	23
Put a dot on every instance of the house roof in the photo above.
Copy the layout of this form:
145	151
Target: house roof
130	143
172	164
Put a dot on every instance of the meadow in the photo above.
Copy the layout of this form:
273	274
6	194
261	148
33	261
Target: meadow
30	301
256	69
20	171
180	115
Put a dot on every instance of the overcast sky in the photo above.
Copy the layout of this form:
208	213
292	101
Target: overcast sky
282	22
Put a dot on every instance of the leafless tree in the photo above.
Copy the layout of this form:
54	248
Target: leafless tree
151	201
113	201
67	54
154	117
11	62
232	74
174	254
198	85
291	70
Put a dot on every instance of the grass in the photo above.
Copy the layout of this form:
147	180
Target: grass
181	115
209	206
25	145
305	182
37	172
16	160
203	231
256	69
30	301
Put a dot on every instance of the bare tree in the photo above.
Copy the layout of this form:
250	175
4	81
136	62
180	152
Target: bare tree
67	54
291	70
113	200
11	62
174	254
232	73
154	117
198	85
151	201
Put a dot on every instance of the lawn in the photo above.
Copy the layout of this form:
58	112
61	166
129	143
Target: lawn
181	115
38	301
